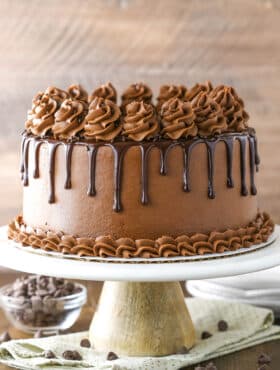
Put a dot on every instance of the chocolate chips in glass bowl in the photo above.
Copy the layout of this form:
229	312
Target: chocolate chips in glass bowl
43	303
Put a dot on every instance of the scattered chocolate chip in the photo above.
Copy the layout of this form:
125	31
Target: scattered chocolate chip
264	359
5	337
205	335
77	356
222	325
112	356
72	355
49	354
85	343
182	351
211	366
38	334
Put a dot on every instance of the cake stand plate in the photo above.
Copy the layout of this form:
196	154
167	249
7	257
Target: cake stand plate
141	311
27	259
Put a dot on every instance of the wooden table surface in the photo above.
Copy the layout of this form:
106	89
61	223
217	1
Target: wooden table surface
62	42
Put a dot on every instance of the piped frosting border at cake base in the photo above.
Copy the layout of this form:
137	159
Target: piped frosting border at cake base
256	232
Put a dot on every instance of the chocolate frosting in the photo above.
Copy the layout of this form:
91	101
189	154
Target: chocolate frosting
178	119
78	92
197	89
106	91
57	94
140	121
102	120
69	119
170	91
137	92
232	106
256	232
209	116
41	117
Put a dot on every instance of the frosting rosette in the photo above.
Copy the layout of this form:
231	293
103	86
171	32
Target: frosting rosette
69	119
106	91
168	92
232	106
103	120
41	117
209	116
57	94
197	89
138	92
77	92
140	121
177	118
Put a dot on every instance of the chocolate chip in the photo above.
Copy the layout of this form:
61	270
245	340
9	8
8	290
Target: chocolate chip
68	355
222	325
5	337
72	355
264	359
77	356
182	351
85	343
49	354
112	356
205	335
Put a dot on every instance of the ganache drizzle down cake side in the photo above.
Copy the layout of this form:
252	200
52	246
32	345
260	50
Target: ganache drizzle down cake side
139	179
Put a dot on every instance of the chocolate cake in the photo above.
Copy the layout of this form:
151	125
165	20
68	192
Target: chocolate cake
140	179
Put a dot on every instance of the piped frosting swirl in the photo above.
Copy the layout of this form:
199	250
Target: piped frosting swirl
209	116
69	119
199	111
232	106
77	92
170	91
137	92
102	120
256	232
41	117
140	121
178	119
106	91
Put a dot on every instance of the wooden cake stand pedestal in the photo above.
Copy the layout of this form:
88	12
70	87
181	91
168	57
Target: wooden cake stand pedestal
141	311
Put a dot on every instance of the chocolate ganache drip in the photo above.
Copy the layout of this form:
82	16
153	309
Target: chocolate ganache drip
140	121
102	120
178	119
170	91
120	148
106	91
137	92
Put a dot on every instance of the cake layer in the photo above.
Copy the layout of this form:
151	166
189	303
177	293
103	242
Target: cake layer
140	190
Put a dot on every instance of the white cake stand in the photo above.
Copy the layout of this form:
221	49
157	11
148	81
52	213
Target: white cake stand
141	310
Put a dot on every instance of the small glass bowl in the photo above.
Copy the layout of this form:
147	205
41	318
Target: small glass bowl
49	316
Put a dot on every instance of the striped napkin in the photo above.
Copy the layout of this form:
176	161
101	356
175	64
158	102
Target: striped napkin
247	326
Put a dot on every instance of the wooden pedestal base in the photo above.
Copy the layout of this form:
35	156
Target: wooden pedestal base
142	319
